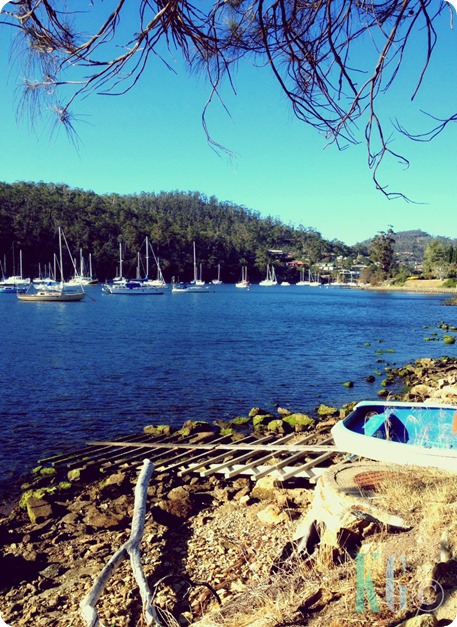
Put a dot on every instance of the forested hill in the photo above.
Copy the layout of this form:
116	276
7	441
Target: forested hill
411	245
224	233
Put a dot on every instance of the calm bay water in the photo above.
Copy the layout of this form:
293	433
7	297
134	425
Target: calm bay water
110	365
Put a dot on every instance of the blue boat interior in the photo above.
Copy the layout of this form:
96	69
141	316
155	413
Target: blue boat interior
431	427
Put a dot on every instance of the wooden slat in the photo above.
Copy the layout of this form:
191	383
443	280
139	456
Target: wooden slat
212	460
317	448
213	454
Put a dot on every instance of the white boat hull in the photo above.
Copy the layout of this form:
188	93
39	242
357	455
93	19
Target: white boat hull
426	434
49	296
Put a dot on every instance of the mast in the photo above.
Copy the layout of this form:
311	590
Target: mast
195	265
81	262
20	263
120	261
147	257
90	265
60	255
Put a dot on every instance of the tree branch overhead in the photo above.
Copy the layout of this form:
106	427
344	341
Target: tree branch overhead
333	59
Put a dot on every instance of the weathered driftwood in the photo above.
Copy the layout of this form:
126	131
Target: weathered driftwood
132	548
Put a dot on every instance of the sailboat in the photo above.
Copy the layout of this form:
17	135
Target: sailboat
244	283
311	282
54	293
314	281
218	280
14	284
80	278
126	287
270	279
195	286
159	281
302	282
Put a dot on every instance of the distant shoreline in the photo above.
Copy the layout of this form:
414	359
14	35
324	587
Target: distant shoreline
417	286
417	290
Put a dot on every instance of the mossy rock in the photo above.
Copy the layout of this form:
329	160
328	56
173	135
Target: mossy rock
158	430
261	420
449	339
65	485
348	384
226	431
370	379
383	393
74	474
193	426
300	422
257	411
240	420
279	426
347	408
48	472
326	410
367	343
37	494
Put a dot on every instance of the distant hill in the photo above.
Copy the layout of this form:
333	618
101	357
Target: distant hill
410	245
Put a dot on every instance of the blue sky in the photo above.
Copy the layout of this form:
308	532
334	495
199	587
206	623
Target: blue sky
152	140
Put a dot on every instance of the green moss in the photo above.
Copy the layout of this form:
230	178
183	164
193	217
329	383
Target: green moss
158	430
449	339
367	343
348	384
325	410
278	425
38	494
48	472
193	426
299	422
256	411
74	474
226	431
64	485
261	419
240	420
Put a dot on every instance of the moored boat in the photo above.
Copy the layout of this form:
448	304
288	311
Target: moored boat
54	292
270	278
244	283
131	288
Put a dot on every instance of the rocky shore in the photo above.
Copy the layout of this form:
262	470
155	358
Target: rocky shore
227	541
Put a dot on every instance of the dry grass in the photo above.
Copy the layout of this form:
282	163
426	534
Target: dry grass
318	591
421	495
